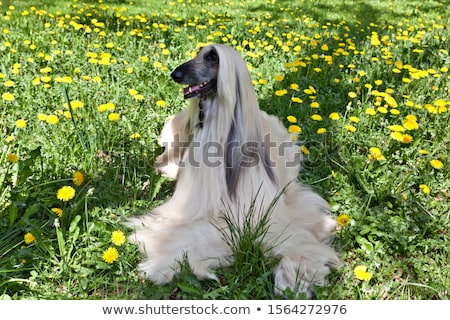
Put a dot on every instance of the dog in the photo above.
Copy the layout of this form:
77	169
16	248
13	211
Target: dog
226	156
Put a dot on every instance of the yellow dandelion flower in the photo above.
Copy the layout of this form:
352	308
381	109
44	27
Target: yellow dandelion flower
333	174
67	79
12	157
135	136
74	104
296	100
440	103
442	109
410	123
113	116
314	104
424	152
52	119
391	101
7	96
46	79
21	123
109	106
8	83
350	128
352	94
371	111
279	77
424	188
321	130
65	193
294	129
430	108
316	117
354	119
334	116
58	211
78	178
67	114
144	59
396	128
374	40
437	164
378	82
161	103
394	112
310	90
46	70
375	154
382	110
406	138
291	119
42	117
361	273
294	87
110	255
118	238
28	238
397	136
305	150
281	92
343	220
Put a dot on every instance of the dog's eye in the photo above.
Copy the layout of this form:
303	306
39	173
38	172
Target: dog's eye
212	56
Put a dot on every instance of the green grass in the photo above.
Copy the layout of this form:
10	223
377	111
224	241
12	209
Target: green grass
373	63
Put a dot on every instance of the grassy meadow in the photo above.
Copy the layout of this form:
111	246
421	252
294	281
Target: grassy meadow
85	90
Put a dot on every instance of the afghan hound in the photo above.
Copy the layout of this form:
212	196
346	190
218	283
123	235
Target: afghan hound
227	155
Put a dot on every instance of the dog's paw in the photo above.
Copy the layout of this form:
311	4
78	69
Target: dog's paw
297	276
157	274
166	168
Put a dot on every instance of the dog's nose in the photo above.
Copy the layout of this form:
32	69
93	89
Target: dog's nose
177	75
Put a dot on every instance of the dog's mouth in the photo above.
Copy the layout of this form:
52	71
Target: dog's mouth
199	90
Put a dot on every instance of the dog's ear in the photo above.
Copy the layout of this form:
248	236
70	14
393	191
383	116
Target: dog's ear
240	117
233	154
243	151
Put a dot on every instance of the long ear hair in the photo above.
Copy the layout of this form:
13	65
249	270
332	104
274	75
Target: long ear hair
241	117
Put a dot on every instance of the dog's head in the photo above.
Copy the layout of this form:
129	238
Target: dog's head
219	76
199	74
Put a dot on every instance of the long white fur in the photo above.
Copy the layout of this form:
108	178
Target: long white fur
188	224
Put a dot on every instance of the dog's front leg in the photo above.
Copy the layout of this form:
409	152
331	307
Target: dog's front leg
174	140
